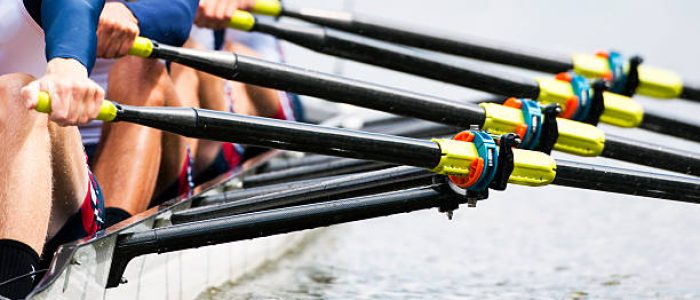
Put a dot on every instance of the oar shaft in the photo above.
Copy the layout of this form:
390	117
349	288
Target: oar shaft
396	178
336	166
671	126
409	35
326	86
278	134
625	181
652	155
402	59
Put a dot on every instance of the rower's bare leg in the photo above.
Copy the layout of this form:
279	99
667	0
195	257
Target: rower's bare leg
251	99
174	155
25	186
129	155
187	86
211	95
25	177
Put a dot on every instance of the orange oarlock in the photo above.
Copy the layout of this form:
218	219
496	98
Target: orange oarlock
475	169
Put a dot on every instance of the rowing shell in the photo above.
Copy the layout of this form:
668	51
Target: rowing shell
80	269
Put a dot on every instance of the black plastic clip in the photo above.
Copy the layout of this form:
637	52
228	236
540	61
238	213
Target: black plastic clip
505	160
597	103
632	79
550	129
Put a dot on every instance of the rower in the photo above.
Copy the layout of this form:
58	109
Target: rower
136	162
214	158
46	185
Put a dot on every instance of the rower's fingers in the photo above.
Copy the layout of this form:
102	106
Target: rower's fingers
30	94
104	38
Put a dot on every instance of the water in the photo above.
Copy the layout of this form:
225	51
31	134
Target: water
539	243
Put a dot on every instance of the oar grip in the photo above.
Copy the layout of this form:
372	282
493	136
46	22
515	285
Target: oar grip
242	20
532	168
267	7
108	111
143	47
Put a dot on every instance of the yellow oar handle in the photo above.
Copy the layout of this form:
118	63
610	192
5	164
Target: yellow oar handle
242	20
143	47
267	7
108	111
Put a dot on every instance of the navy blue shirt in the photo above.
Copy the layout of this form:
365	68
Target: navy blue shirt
70	27
166	21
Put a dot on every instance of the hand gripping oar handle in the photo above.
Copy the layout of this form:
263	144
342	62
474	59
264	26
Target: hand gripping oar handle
108	111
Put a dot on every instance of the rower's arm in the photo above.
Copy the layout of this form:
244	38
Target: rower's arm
69	27
166	21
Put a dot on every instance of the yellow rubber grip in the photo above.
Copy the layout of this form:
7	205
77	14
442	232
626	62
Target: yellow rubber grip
532	168
659	83
579	138
143	47
619	110
574	137
501	119
108	111
267	7
242	20
590	66
457	157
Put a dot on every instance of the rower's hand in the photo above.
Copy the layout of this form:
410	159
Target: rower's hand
117	30
75	98
215	14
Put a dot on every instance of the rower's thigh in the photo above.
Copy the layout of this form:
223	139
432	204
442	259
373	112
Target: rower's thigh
70	174
25	185
139	81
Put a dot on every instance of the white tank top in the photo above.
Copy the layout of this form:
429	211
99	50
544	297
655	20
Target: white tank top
21	42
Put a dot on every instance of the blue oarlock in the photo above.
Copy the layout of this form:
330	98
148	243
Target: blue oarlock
487	149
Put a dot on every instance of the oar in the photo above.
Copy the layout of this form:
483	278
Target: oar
353	185
337	166
472	165
652	82
577	102
571	136
271	222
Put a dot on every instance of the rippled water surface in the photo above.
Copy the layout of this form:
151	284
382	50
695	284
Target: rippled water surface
539	243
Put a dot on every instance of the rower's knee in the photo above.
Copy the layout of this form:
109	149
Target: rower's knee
14	115
139	81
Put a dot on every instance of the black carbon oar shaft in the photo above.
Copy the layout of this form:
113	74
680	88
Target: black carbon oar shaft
671	126
408	35
277	134
395	178
402	59
335	88
645	154
271	222
625	181
313	170
325	86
